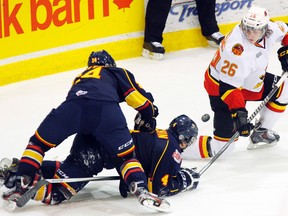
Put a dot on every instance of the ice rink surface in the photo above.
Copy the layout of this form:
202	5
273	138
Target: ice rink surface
248	183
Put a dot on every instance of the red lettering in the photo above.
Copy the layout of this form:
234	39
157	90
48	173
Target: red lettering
35	24
76	10
91	9
105	8
66	8
10	19
43	14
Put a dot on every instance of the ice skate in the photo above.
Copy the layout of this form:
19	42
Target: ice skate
148	199
262	138
153	50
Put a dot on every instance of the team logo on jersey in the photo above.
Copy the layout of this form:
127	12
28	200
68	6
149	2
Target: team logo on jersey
238	49
125	145
177	156
80	92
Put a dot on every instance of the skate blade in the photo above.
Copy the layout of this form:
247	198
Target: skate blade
9	205
252	146
155	56
161	207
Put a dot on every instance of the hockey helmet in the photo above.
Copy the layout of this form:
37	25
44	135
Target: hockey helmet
101	58
256	19
184	129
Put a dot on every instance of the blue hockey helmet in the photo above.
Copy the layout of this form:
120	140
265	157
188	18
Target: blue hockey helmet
184	129
101	58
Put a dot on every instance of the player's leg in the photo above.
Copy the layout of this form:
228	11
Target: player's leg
56	127
263	134
113	134
223	130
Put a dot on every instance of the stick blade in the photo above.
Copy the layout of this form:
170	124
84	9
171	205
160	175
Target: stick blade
22	200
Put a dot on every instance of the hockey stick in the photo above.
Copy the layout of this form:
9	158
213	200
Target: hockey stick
22	200
94	178
236	135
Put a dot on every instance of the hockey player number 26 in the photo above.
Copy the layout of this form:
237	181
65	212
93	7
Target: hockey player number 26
228	67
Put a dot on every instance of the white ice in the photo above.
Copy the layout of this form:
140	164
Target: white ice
248	183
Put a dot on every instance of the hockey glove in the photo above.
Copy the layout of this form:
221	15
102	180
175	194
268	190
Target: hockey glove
146	125
189	177
283	57
123	188
241	124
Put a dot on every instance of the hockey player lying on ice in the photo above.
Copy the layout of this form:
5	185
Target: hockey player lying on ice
92	106
158	152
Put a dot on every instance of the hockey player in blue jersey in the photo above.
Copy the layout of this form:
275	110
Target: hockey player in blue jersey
159	153
92	107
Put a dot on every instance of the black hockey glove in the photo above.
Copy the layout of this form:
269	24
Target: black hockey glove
241	124
123	188
283	57
145	125
189	177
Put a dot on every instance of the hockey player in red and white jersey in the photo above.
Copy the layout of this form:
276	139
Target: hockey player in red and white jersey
237	74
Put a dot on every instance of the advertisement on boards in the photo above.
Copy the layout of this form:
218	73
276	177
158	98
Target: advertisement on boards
183	13
32	25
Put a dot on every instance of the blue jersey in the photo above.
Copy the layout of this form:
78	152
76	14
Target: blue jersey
111	84
160	155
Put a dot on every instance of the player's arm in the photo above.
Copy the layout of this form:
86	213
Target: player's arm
185	179
142	101
168	177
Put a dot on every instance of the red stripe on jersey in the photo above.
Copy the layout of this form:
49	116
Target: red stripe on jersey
252	96
276	108
201	144
133	170
223	139
57	165
234	99
147	103
31	162
128	92
36	148
211	85
50	145
126	152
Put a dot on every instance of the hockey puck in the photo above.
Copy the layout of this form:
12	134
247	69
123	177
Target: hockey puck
205	117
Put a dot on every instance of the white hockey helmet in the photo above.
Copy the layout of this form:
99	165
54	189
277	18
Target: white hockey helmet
256	18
